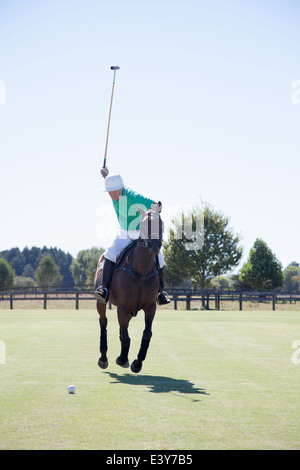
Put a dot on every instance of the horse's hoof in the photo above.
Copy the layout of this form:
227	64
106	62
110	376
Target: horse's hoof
102	364
122	364
135	367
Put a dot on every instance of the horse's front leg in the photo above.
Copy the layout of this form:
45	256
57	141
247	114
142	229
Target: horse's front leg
124	319
102	362
137	364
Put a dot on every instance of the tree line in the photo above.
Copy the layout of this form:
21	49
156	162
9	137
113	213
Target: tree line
47	267
221	252
204	267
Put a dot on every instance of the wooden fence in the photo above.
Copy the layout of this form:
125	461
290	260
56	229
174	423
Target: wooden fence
208	300
213	299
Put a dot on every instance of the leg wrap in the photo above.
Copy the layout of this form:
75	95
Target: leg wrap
125	345
103	339
144	345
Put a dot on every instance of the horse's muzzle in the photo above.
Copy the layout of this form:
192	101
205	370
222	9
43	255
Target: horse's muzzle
155	245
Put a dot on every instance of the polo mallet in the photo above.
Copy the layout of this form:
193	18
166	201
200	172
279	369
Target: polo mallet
114	68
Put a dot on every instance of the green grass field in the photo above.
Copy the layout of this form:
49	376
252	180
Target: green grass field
211	380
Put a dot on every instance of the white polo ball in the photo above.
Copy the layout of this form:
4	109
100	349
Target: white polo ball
71	389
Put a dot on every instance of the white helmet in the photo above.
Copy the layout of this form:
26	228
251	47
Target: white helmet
113	182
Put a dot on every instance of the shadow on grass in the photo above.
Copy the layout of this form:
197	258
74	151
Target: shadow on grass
159	384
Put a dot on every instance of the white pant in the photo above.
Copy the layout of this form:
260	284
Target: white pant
124	239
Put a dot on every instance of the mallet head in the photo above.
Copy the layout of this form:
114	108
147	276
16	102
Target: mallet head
114	67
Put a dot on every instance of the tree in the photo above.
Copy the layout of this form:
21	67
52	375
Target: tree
15	259
23	282
222	283
25	262
92	267
47	273
262	269
177	268
238	285
292	278
62	259
28	271
7	275
218	254
83	268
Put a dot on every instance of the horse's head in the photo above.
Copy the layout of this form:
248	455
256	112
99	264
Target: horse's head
151	228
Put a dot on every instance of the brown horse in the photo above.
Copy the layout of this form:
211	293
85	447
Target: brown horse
134	287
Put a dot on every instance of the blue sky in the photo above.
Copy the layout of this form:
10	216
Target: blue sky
203	109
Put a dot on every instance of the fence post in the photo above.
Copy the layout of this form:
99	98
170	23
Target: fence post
11	302
188	302
273	302
241	302
175	301
77	300
45	301
207	302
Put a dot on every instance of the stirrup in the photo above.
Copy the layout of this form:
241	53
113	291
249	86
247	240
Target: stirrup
101	294
163	299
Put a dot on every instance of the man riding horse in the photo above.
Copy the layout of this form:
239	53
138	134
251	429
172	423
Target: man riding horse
124	202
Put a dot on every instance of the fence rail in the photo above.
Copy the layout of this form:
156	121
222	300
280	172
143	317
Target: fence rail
207	298
215	298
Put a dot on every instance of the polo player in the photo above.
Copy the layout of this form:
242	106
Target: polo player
124	202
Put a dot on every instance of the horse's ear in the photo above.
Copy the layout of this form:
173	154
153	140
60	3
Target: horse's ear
156	207
140	210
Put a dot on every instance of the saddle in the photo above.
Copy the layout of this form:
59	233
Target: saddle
124	255
122	258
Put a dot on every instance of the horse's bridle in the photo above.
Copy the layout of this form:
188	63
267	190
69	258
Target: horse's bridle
148	242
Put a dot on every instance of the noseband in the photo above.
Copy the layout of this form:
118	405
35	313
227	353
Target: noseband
147	244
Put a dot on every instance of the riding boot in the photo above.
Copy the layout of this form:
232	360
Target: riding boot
162	298
102	292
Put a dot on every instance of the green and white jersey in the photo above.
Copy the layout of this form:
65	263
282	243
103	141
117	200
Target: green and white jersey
125	208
